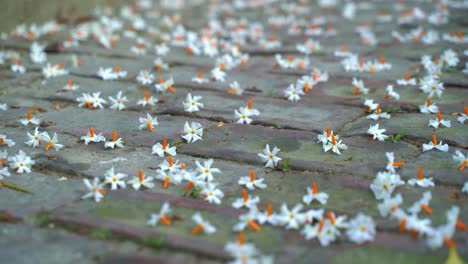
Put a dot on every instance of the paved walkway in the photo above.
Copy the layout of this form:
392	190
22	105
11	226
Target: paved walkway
53	224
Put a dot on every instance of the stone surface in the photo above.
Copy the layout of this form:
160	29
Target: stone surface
52	224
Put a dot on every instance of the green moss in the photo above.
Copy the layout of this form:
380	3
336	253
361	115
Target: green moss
154	242
382	256
102	234
43	219
114	212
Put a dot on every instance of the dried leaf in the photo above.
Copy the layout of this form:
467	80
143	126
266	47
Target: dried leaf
453	257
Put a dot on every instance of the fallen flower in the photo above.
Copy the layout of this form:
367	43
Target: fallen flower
421	181
270	156
164	148
96	190
192	132
439	121
202	225
313	194
115	179
161	217
462	159
30	120
92	137
115	141
141	180
435	144
251	182
148	122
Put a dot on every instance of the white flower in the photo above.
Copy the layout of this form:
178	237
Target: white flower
371	106
335	145
148	100
168	177
191	104
251	182
4	172
463	116
268	216
160	149
212	194
115	141
170	165
249	110
37	54
118	102
391	93
243	116
321	230
420	225
270	156
326	136
164	86
407	81
141	180
246	200
161	217
313	194
361	229
293	93
85	100
199	78
30	120
384	184
377	133
92	101
202	225
218	75
435	144
432	86
247	219
148	122
145	78
465	188
96	190
390	204
161	49
70	86
449	58
313	215
4	140
439	121
114	179
428	107
160	64
378	114
34	141
18	67
92	137
235	88
359	87
391	164
421	181
441	234
107	74
292	219
205	172
459	157
21	163
422	204
51	142
192	132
